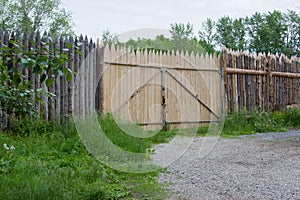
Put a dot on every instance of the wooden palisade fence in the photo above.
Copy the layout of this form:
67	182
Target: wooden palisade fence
260	82
61	106
252	82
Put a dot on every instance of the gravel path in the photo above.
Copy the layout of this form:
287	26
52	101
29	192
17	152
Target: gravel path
260	166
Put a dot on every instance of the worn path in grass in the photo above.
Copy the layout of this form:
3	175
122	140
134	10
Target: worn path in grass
261	166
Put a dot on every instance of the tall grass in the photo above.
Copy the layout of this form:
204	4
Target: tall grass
50	162
245	122
129	142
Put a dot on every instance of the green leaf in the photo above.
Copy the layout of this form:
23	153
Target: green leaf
65	70
64	56
49	82
78	52
68	45
13	69
43	78
39	90
24	61
50	94
60	73
37	69
69	77
17	79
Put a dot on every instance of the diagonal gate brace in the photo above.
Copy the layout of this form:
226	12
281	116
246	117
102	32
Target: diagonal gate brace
203	104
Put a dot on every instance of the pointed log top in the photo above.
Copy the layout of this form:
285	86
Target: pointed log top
106	47
81	37
71	39
24	34
128	49
192	54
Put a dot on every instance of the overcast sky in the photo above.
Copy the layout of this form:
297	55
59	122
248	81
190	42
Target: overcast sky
92	17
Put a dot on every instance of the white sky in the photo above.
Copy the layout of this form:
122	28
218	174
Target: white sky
92	17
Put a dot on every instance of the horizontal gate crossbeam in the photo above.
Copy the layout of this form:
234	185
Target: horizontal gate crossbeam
158	67
177	122
184	87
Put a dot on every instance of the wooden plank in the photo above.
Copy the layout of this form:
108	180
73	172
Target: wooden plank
263	83
45	50
239	81
82	77
37	76
272	85
100	59
106	82
86	77
258	83
56	85
234	86
51	88
192	79
76	89
90	81
71	66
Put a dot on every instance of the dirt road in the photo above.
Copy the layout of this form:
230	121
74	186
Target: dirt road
262	166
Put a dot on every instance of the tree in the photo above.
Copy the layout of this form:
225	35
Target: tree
180	34
231	33
293	37
34	15
5	14
267	32
207	35
109	38
239	34
182	38
181	31
224	32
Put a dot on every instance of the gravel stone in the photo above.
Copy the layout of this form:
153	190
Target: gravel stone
259	166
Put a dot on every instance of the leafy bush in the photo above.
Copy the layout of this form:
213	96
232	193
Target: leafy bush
17	94
291	118
250	122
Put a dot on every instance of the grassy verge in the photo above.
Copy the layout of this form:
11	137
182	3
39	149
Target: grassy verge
244	123
130	142
50	162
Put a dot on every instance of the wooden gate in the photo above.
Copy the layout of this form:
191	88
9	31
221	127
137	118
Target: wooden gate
160	89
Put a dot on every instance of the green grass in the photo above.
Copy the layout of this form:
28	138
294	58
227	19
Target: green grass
50	162
244	123
132	143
